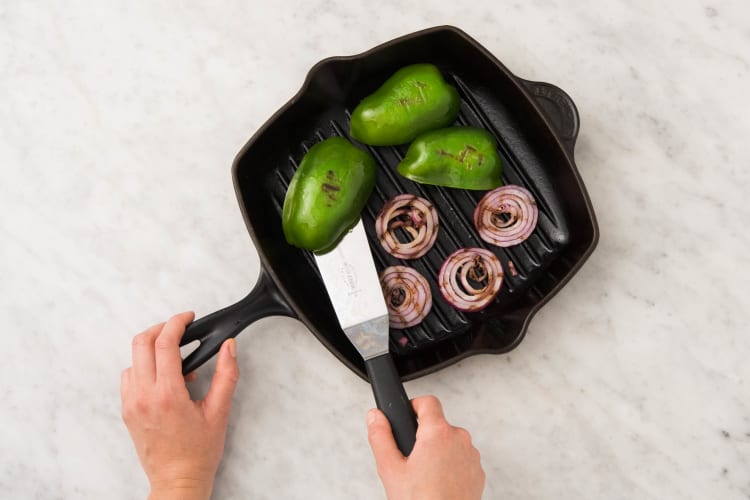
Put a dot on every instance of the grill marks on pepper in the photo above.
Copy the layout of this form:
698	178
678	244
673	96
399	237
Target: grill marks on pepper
331	188
420	99
465	154
407	101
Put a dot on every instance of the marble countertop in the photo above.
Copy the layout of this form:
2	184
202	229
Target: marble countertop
119	124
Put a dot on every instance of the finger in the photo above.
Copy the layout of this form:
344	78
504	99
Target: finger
387	455
218	401
463	436
167	348
125	384
125	388
429	410
144	366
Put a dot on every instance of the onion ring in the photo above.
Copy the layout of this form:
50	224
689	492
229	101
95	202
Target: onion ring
407	295
417	221
470	278
506	216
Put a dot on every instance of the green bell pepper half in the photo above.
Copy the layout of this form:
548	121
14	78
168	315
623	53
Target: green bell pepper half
457	157
327	194
414	100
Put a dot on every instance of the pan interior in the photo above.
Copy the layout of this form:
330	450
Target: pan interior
491	98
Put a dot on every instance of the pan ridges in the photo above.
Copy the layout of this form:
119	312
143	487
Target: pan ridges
455	210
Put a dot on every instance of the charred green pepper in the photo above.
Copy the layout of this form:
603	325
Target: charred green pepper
412	101
457	157
327	194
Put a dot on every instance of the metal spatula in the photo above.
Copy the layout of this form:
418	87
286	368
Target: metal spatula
352	282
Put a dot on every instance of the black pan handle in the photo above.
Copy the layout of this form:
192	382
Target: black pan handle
392	400
212	330
559	109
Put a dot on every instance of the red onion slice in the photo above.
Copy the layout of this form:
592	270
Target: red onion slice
506	216
417	221
512	268
470	278
407	295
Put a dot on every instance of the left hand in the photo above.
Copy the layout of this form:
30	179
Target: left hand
179	441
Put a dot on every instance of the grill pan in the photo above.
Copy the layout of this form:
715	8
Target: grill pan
535	124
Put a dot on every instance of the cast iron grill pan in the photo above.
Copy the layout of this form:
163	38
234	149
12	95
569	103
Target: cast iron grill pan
535	125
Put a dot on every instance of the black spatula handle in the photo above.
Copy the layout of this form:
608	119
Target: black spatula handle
392	400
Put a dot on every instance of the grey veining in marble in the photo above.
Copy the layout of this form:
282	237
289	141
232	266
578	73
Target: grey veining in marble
118	124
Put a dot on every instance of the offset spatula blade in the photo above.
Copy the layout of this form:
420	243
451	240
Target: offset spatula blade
351	280
354	289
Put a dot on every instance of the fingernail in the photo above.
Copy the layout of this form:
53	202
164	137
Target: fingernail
371	416
232	348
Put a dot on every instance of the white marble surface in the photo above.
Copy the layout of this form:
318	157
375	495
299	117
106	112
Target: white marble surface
119	121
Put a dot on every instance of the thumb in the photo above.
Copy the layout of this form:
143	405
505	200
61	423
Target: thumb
387	455
218	401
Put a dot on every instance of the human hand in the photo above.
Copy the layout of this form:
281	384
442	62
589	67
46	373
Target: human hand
443	465
179	441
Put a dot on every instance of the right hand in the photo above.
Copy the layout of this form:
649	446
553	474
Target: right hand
443	465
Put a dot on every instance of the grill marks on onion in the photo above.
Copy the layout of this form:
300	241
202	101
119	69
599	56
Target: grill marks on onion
470	278
506	216
407	226
407	296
